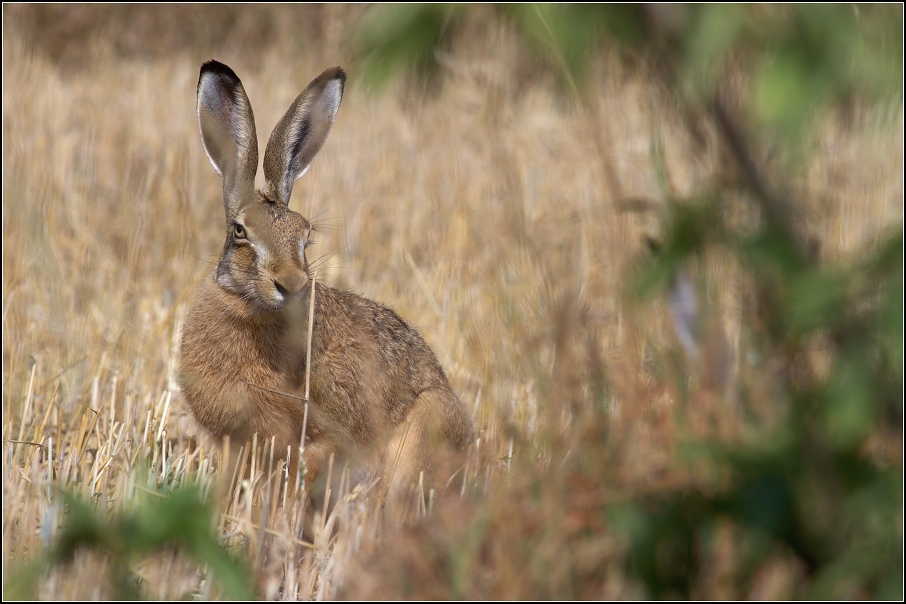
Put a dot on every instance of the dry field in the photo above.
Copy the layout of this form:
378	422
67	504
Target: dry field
490	212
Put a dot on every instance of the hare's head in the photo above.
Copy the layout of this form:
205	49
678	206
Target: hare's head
263	258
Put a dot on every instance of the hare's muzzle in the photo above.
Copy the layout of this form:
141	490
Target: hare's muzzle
289	286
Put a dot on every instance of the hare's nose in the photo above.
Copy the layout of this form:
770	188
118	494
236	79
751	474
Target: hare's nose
289	285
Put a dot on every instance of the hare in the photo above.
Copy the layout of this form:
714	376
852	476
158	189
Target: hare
376	388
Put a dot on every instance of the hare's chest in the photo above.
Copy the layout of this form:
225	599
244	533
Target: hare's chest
241	358
268	364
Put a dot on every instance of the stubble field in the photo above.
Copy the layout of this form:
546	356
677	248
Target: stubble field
503	221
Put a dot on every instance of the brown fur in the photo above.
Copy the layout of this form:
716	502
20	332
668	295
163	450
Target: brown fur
243	353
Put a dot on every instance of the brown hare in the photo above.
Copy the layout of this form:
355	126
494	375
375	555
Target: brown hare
375	386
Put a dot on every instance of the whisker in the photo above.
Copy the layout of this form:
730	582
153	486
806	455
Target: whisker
199	258
327	224
314	219
321	261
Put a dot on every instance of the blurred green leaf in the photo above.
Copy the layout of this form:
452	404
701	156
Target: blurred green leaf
688	227
180	519
849	406
662	540
784	94
709	41
401	36
771	254
21	582
889	263
817	300
568	35
83	528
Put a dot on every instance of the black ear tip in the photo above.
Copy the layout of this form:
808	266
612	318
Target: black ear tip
217	68
334	73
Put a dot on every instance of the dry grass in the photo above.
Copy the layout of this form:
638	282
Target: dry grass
488	214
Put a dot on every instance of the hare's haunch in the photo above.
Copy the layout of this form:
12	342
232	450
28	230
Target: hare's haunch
245	338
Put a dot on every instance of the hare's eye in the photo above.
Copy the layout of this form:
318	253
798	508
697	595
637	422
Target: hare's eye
239	231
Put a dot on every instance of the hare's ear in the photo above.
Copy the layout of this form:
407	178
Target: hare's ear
301	133
228	132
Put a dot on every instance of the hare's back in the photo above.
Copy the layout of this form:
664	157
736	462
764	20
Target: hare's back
383	346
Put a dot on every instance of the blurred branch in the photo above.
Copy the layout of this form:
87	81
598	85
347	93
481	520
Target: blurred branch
779	213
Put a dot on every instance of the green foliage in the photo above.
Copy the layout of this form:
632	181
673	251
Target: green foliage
809	489
180	520
407	35
568	36
401	36
800	56
813	491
